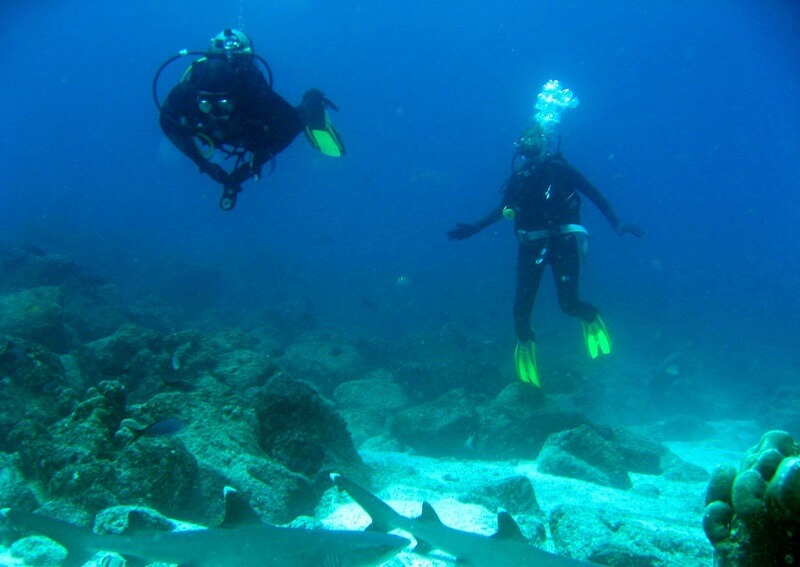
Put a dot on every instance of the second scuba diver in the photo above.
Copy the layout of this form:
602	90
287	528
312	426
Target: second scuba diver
224	102
543	197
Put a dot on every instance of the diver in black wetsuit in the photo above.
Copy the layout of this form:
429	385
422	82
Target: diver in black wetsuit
543	196
225	103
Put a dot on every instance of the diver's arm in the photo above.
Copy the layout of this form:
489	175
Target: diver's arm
173	109
577	180
281	125
599	200
465	230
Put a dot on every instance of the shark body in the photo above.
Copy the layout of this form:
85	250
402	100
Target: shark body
506	547
241	540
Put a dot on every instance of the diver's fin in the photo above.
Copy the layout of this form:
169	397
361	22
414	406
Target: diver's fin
525	363
324	138
596	336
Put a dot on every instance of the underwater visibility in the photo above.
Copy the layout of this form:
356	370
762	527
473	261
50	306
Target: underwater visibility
370	284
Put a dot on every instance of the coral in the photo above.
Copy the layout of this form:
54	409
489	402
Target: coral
38	550
752	514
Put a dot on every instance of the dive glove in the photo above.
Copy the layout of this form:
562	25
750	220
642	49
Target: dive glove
630	228
462	231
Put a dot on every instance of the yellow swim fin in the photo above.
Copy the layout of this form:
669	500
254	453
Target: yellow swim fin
596	336
525	363
325	139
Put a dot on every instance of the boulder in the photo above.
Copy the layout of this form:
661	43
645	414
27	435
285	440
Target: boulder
37	315
442	427
583	454
518	422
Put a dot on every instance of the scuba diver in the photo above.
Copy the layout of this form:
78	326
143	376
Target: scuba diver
224	102
543	197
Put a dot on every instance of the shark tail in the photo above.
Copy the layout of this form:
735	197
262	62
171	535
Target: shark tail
76	540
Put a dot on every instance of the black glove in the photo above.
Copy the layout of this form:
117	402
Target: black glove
462	231
630	228
215	172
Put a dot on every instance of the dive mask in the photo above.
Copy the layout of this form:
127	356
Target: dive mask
218	105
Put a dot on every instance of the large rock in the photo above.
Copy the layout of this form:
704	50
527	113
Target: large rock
324	360
621	540
132	355
15	491
29	267
369	405
32	387
301	430
93	312
582	453
442	427
37	315
223	436
514	494
518	421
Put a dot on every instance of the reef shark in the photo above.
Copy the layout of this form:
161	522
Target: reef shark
506	547
241	540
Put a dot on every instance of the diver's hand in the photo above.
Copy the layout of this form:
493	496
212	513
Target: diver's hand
462	231
215	172
629	228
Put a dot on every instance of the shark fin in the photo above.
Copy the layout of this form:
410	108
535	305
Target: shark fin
237	510
422	547
380	512
507	528
429	514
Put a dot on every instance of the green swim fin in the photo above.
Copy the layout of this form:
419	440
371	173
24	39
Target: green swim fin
596	336
525	363
324	138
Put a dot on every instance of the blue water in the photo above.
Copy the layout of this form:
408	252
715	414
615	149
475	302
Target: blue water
689	123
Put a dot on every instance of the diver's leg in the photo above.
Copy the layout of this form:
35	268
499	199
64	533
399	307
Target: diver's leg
565	260
529	274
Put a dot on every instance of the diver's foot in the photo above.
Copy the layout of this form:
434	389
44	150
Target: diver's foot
228	199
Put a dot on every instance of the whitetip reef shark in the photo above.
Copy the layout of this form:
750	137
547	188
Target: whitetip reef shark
506	547
241	540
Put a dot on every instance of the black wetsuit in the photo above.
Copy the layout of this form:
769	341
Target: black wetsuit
262	123
546	201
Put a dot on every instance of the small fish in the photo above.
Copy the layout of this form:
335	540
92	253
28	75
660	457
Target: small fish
13	353
672	370
165	427
252	392
180	385
179	352
369	304
402	281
